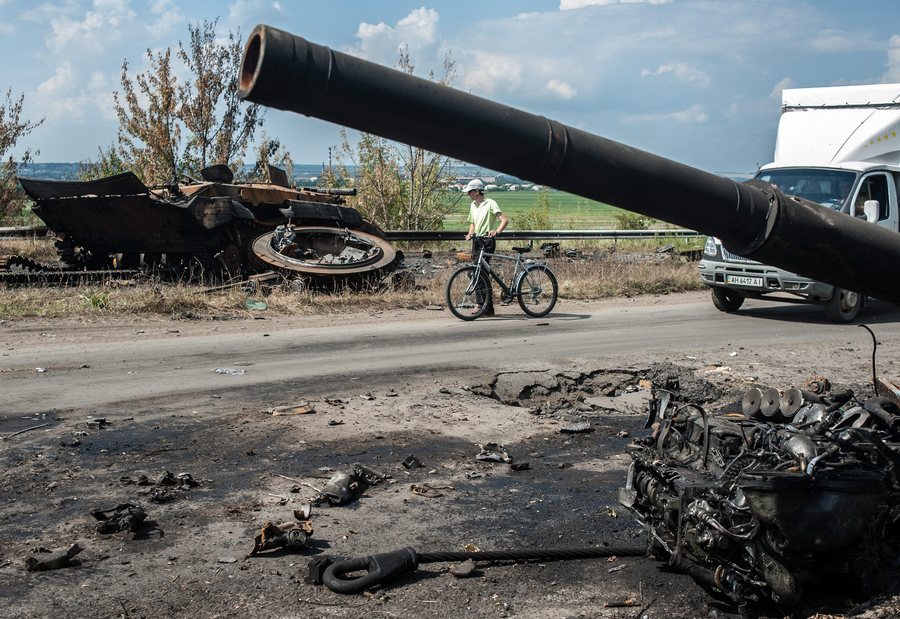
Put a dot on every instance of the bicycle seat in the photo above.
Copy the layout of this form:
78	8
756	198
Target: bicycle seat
524	250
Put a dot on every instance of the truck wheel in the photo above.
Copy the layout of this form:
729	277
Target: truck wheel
843	306
726	300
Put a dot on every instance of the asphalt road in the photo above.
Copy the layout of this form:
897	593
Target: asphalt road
100	365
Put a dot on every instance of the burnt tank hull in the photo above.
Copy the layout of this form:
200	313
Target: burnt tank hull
212	223
752	219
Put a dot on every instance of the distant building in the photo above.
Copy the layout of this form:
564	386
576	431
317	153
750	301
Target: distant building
462	180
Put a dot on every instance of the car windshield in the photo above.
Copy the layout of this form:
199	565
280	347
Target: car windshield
827	187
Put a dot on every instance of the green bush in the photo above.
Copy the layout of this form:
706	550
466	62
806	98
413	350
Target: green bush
626	220
535	218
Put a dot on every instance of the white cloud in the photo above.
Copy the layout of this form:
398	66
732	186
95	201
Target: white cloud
893	60
563	90
691	116
681	71
66	97
167	19
831	41
485	73
775	95
252	12
77	33
380	42
571	5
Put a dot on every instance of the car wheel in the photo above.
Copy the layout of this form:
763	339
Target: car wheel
727	300
844	305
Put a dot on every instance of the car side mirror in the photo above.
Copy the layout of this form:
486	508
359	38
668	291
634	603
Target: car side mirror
872	209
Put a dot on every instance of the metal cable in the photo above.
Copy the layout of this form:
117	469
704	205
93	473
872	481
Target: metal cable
550	554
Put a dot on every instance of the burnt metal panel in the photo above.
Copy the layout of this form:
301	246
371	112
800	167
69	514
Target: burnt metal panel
304	210
124	184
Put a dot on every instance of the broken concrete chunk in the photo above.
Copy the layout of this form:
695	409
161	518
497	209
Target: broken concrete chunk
462	570
97	423
632	403
512	387
576	425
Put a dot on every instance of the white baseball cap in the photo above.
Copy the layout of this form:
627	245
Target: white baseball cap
474	184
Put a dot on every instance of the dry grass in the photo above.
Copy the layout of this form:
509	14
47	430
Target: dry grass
618	276
41	250
596	276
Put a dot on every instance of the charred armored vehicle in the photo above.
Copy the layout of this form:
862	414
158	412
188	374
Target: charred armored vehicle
747	506
213	225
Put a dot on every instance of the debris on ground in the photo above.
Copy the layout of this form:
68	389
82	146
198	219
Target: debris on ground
43	559
575	425
230	371
292	535
122	517
462	570
412	462
303	408
429	491
344	486
492	452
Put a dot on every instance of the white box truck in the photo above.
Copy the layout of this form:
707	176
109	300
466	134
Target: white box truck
839	147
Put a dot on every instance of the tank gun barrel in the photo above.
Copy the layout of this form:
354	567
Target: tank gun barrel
755	220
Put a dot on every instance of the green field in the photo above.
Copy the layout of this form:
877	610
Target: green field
567	211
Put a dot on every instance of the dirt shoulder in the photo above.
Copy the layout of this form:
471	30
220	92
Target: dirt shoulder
189	557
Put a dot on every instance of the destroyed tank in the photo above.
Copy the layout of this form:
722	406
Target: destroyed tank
214	226
768	513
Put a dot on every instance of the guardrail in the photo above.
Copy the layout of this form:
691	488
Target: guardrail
26	232
542	235
459	235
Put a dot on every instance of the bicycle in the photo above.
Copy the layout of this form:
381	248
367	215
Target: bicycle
533	284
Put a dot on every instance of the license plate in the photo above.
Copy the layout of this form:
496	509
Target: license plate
743	280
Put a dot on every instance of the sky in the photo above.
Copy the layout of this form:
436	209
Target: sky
697	81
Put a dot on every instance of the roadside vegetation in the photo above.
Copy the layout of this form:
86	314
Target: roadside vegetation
596	271
14	127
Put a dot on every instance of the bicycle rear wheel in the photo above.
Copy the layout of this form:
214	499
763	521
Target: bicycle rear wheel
467	297
537	290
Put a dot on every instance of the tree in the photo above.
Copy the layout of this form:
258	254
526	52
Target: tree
221	126
109	162
168	127
269	151
12	128
399	187
149	127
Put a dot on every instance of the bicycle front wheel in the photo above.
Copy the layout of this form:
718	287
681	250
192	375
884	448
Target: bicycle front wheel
468	293
536	290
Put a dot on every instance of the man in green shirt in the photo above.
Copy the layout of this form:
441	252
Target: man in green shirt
486	221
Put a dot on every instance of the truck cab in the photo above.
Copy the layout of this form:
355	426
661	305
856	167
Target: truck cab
834	147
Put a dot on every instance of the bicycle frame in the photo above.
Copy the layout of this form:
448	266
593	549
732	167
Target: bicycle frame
483	265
